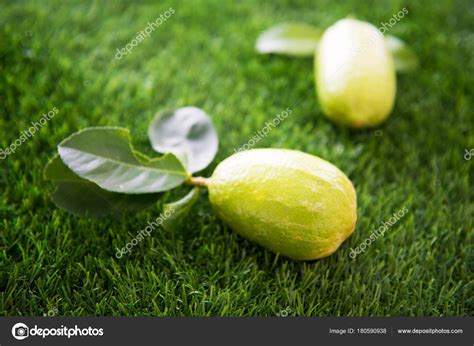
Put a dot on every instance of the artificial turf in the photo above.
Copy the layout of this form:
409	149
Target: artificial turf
61	54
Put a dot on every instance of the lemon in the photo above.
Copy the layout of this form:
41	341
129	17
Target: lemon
289	202
355	74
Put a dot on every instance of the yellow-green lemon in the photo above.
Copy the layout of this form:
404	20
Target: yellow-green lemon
289	202
355	74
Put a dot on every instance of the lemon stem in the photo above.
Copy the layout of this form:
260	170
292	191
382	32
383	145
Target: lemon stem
197	181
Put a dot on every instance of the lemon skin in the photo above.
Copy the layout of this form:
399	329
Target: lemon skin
287	201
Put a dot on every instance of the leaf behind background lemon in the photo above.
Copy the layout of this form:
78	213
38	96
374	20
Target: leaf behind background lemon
294	39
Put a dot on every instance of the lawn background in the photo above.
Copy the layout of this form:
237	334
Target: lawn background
61	54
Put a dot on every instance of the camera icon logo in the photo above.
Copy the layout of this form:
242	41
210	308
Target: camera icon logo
20	331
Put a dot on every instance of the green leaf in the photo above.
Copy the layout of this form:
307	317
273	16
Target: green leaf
295	39
186	132
105	156
82	197
404	57
179	210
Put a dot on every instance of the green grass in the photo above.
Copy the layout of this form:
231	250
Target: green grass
61	54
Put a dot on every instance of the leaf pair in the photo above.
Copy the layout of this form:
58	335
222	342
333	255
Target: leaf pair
98	172
300	39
